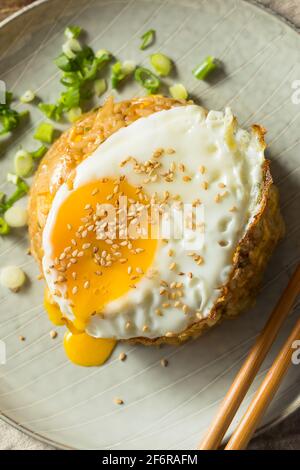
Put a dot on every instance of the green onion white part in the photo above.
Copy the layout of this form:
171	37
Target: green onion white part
74	114
100	87
23	163
16	217
27	97
178	91
161	63
12	277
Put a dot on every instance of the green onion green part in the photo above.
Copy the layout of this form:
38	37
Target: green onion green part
178	91
147	39
147	79
9	118
4	227
73	32
39	153
205	68
27	97
51	111
120	72
23	163
161	63
44	133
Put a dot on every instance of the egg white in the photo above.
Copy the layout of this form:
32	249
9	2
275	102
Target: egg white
199	139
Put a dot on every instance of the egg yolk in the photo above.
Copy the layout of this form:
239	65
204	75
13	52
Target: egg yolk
94	270
84	350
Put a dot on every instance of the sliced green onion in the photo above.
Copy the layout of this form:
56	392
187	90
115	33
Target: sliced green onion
161	63
16	217
205	68
12	277
74	114
102	52
21	190
39	153
12	178
73	32
9	119
65	64
147	39
27	97
100	86
4	227
120	72
44	133
71	47
178	91
147	79
23	163
70	99
52	111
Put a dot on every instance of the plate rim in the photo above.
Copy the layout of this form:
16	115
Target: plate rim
296	402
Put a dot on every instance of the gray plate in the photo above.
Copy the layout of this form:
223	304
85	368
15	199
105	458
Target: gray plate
169	408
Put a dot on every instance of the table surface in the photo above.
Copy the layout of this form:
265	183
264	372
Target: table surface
286	435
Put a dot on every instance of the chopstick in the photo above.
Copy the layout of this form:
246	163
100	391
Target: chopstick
249	369
264	394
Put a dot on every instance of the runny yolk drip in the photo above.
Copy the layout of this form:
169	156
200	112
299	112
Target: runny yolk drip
92	272
84	350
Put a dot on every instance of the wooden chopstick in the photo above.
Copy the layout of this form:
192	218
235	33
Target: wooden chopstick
264	394
249	369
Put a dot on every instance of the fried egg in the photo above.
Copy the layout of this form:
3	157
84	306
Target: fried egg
140	239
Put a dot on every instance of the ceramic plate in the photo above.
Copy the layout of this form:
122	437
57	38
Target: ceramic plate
165	408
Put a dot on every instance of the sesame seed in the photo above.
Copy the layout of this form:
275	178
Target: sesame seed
172	266
164	363
202	169
222	185
166	305
169	334
218	198
53	334
158	312
205	185
128	325
74	290
122	356
118	401
171	252
86	246
86	285
22	338
185	308
69	227
190	275
186	178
